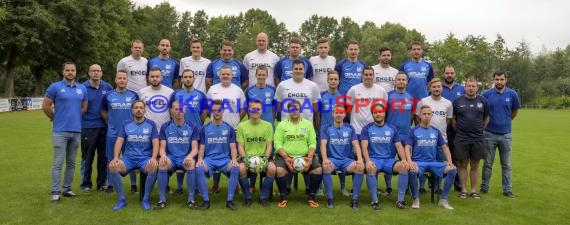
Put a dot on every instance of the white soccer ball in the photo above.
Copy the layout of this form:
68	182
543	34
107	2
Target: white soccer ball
299	164
256	164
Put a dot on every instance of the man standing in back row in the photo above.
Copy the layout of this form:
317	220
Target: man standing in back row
136	67
419	72
258	57
503	106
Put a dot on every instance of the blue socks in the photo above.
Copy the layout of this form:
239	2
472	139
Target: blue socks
191	184
327	179
448	182
356	185
148	185
244	183
201	182
232	185
413	179
372	185
403	180
117	182
162	183
267	183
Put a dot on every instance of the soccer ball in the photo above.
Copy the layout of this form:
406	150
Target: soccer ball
299	164
256	164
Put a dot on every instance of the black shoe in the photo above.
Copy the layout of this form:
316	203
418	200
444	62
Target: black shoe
330	204
376	206
507	194
192	205
423	191
247	203
205	205
134	189
109	189
401	205
484	191
179	191
288	192
230	206
388	191
354	204
68	194
159	206
264	203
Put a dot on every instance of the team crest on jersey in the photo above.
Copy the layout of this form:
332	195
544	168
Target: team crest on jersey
185	132
479	105
458	94
267	94
507	99
146	131
432	135
128	99
225	132
167	67
303	130
424	69
62	91
359	69
345	134
387	133
79	91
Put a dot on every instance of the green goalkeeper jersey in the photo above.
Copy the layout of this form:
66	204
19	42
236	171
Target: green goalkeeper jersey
296	139
254	136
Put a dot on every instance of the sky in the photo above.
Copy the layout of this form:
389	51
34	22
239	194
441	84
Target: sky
544	24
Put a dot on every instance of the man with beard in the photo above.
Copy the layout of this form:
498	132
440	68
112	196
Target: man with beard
419	72
503	104
452	90
168	66
156	97
384	74
470	117
69	100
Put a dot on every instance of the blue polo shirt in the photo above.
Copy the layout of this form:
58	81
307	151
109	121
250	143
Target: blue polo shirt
169	68
452	93
92	118
239	71
419	74
425	143
350	74
284	68
267	97
67	100
501	105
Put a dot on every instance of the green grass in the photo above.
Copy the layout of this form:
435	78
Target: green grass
540	181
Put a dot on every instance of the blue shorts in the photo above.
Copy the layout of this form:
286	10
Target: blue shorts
135	163
217	165
176	163
341	165
437	168
110	147
384	165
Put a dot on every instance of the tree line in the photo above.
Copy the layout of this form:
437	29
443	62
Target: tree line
37	36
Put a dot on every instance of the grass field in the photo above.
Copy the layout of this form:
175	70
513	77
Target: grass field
540	181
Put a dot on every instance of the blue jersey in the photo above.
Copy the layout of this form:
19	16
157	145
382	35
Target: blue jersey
328	100
179	138
425	143
138	138
217	139
381	140
284	68
501	105
67	100
239	72
339	141
92	117
350	74
169	68
267	97
400	111
419	74
452	93
193	102
118	107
